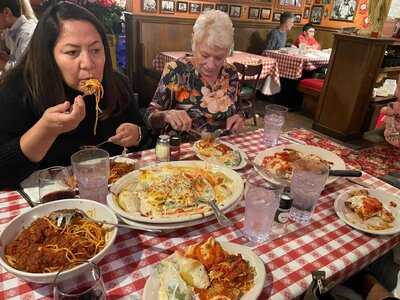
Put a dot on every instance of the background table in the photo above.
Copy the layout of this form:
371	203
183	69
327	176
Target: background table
291	66
269	73
326	243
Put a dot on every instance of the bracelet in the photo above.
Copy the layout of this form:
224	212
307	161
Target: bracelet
139	135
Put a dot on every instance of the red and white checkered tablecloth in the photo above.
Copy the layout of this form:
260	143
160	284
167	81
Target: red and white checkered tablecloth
270	67
291	66
326	243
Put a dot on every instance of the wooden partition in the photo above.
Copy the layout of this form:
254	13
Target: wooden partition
147	36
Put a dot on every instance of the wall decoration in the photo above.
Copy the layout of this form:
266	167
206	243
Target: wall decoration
181	6
297	18
149	6
288	4
306	13
265	14
326	1
194	8
276	17
343	10
308	2
222	7
316	14
254	13
235	11
207	7
167	7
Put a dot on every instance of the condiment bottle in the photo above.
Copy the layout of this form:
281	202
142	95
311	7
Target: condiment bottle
175	147
163	148
279	227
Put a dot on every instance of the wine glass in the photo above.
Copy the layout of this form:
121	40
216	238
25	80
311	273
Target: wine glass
87	284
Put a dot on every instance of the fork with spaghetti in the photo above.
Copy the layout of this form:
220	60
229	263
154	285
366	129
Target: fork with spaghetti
93	87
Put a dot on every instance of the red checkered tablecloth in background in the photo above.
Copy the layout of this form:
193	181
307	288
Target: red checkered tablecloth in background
270	67
326	243
291	66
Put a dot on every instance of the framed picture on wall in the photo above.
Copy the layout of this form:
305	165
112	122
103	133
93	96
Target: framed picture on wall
288	4
207	7
254	13
317	11
194	8
297	18
326	1
344	10
265	14
222	7
235	11
308	2
167	7
182	6
306	13
149	6
276	17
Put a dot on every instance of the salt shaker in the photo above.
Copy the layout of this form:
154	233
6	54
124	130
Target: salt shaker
163	148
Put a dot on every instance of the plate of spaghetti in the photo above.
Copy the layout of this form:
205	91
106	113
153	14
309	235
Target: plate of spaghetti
209	270
34	248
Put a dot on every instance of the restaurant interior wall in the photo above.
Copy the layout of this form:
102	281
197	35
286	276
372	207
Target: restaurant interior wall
149	33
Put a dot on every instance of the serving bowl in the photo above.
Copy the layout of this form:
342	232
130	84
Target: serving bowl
94	209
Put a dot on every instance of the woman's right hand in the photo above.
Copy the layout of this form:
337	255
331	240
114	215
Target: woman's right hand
178	119
64	117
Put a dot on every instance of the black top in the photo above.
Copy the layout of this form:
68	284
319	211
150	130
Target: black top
18	115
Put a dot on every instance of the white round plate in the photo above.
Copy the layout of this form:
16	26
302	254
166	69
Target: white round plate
94	209
238	186
153	284
343	212
243	156
338	163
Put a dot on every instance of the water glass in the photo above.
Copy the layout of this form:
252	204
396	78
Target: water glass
261	203
92	168
87	284
55	183
273	122
308	181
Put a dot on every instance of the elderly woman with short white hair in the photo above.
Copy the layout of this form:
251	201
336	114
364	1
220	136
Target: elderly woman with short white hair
200	91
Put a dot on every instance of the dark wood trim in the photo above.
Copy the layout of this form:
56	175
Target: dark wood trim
337	135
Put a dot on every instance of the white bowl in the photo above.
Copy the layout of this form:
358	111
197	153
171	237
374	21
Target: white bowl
94	209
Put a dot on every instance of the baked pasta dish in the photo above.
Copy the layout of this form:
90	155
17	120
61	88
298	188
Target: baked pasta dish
204	271
218	152
174	191
368	211
281	163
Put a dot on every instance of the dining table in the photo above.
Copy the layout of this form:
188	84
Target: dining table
292	62
326	243
269	76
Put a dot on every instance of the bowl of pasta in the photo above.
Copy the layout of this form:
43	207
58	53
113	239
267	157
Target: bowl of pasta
34	246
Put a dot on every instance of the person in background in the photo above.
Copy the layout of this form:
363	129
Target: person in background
277	38
199	92
307	38
44	118
17	33
392	123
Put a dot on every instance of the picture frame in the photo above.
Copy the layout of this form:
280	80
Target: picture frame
149	6
326	1
289	4
207	6
276	17
254	13
235	11
222	7
297	18
167	6
317	11
344	10
194	8
265	13
306	13
308	2
182	6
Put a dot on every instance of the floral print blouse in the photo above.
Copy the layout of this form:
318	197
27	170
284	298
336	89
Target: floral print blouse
181	87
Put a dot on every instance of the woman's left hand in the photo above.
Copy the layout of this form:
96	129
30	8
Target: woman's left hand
127	135
235	123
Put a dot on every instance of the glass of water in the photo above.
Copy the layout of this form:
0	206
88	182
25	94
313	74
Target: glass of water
91	168
274	119
308	181
261	201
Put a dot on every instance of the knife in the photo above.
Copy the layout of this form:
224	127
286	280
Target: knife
345	173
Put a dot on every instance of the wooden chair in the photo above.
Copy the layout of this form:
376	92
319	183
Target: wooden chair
248	88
